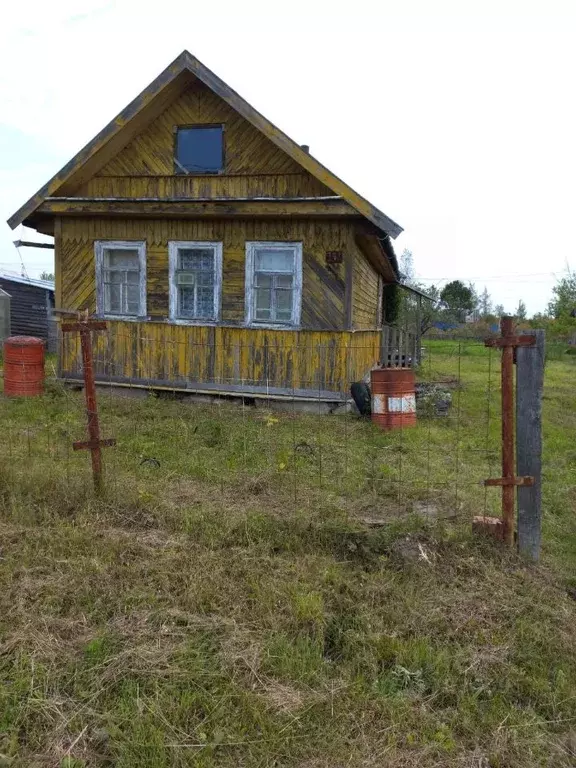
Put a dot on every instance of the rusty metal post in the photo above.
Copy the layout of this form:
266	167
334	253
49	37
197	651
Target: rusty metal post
508	342
94	443
91	407
508	464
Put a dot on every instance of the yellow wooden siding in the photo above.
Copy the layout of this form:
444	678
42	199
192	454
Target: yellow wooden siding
247	150
193	187
227	358
365	293
156	280
233	283
323	286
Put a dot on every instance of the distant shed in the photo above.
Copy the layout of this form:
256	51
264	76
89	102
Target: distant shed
31	307
4	315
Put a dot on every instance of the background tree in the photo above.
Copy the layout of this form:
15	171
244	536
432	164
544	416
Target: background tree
561	320
430	309
46	276
406	265
499	310
485	304
416	309
539	320
458	299
521	311
392	303
563	301
475	302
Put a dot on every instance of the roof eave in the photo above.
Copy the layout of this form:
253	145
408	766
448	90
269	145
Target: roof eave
416	292
371	246
179	65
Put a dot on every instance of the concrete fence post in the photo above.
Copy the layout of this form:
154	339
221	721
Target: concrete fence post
529	387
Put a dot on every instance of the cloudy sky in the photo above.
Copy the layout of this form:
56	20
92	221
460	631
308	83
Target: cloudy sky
456	118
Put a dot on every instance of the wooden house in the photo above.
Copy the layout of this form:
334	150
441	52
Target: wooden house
223	255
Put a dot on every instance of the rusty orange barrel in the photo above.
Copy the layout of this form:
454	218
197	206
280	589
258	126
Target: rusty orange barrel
23	366
393	397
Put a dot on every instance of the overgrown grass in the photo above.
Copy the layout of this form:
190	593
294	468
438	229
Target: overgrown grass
226	603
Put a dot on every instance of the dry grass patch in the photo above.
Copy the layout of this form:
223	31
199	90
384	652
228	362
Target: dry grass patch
238	602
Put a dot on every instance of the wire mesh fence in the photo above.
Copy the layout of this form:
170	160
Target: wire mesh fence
305	446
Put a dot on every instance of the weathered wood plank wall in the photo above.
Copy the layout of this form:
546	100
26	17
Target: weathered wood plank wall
221	186
323	298
181	356
365	294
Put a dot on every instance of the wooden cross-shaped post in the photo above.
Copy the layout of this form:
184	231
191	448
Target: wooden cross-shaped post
85	326
508	342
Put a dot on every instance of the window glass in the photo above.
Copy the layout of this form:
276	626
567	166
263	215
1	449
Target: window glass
285	281
274	261
121	281
199	150
196	283
120	258
196	258
113	301
263	304
273	283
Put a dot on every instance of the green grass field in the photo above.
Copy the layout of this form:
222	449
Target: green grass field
226	603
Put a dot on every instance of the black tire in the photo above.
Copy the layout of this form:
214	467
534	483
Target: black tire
362	397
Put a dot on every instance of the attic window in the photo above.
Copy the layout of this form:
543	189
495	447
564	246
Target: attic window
199	149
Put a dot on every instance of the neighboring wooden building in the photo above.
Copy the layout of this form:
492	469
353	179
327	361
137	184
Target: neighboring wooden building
4	315
31	307
224	256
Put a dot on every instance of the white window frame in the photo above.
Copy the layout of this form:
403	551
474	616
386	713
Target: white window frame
173	247
251	248
100	247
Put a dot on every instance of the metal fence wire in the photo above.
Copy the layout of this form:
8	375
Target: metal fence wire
262	449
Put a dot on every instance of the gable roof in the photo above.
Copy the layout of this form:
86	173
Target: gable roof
150	103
